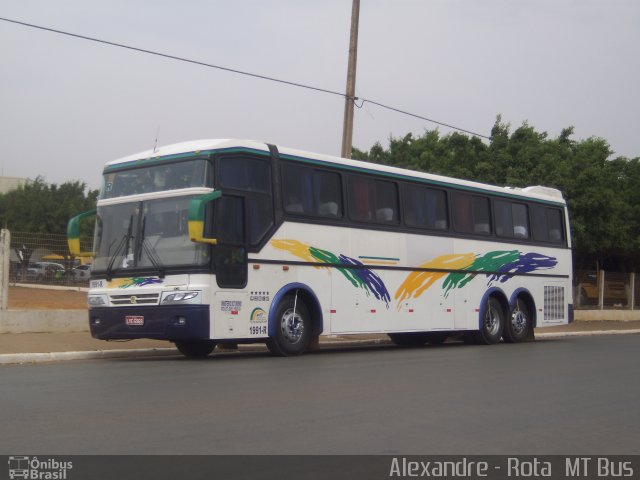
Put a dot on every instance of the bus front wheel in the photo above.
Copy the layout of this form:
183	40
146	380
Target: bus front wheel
293	328
195	348
492	325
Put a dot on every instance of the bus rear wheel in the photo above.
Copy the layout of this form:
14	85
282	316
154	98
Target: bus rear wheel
293	328
519	326
492	325
195	348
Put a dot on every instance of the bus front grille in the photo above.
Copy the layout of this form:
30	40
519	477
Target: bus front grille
139	299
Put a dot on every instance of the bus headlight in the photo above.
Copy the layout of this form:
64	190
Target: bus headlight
96	300
181	297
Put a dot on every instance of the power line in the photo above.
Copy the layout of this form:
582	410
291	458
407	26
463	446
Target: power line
393	109
241	72
173	57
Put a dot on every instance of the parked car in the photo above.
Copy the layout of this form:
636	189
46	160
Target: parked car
81	273
40	271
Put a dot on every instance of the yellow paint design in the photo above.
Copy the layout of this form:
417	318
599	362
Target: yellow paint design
299	249
417	282
118	283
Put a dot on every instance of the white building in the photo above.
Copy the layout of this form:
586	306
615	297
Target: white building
11	183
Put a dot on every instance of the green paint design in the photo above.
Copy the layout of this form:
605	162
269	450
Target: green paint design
490	262
328	257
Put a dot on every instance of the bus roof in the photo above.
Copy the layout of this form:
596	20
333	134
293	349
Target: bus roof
547	194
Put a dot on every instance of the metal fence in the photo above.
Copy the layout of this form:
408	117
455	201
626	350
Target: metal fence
606	290
44	258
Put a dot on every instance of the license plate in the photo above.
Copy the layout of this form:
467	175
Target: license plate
134	320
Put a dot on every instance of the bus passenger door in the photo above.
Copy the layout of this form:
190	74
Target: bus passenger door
230	254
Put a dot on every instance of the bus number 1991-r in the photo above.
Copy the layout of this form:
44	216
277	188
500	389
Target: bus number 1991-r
258	330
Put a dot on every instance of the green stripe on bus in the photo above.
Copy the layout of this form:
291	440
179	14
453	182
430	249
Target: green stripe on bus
338	166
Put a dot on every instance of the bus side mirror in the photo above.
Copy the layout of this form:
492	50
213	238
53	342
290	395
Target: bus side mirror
196	217
73	234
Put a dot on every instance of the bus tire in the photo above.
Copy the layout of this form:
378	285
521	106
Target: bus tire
492	325
195	348
519	325
408	339
293	328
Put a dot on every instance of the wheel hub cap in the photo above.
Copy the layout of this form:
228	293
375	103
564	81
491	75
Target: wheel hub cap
292	326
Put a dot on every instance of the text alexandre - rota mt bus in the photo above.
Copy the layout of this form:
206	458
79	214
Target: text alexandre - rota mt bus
233	241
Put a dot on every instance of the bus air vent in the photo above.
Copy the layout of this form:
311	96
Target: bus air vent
553	303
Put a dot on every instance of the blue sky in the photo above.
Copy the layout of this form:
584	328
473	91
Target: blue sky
68	106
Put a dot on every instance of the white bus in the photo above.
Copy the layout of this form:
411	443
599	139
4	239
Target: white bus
232	241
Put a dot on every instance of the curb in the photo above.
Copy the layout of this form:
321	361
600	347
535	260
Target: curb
20	358
587	333
10	358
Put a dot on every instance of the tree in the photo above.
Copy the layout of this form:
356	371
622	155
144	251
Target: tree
39	207
603	194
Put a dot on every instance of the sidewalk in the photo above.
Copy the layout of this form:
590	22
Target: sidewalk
41	347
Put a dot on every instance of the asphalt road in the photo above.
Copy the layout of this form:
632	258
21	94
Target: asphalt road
565	396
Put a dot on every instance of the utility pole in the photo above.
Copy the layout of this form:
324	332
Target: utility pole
347	128
5	252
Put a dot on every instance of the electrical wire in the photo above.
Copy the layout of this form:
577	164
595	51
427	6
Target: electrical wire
242	72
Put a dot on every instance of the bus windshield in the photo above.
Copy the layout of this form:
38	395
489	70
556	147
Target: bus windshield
156	178
147	235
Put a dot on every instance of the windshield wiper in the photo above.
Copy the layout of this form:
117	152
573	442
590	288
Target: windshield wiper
124	242
143	246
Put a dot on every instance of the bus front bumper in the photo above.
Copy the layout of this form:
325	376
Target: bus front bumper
157	322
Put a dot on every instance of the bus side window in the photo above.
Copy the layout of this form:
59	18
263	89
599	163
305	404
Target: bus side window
540	229
328	194
462	212
437	209
310	191
251	179
297	187
415	206
554	218
547	224
360	199
425	207
511	219
481	215
259	218
386	202
248	174
520	221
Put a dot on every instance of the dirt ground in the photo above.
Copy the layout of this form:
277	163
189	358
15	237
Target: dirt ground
22	298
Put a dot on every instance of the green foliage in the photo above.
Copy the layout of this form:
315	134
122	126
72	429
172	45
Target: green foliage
603	194
39	207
